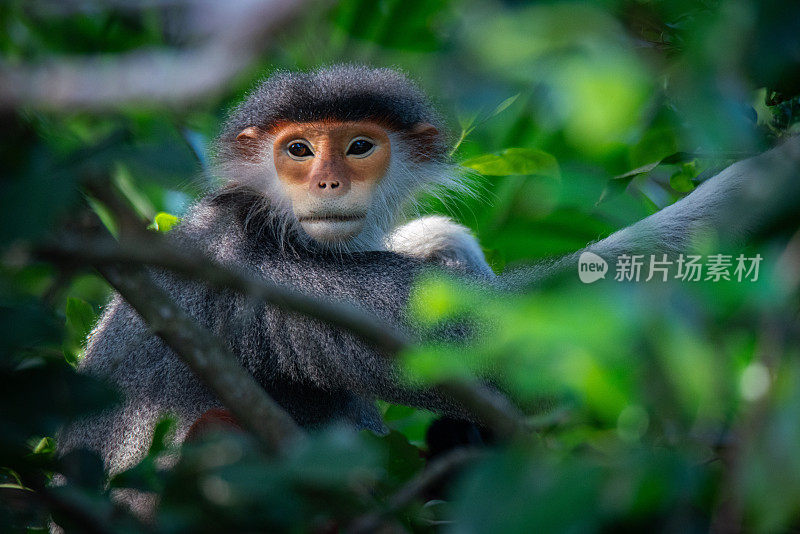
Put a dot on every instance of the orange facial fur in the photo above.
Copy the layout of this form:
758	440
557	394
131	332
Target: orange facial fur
329	142
331	183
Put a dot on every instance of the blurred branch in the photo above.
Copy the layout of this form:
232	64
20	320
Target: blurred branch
87	521
748	199
789	264
206	355
433	473
234	33
157	251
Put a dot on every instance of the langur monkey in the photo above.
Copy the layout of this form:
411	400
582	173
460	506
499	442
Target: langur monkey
317	168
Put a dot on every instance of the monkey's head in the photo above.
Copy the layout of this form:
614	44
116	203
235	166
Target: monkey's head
335	153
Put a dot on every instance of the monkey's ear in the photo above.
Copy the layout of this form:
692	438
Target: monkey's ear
251	133
427	140
425	130
247	142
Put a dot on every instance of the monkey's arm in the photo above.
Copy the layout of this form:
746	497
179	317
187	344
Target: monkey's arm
735	204
439	239
298	359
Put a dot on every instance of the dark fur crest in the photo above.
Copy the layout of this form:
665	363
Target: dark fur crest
338	92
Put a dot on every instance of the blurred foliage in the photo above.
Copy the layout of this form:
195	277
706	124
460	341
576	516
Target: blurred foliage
669	408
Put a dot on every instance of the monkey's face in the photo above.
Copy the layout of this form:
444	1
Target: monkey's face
329	171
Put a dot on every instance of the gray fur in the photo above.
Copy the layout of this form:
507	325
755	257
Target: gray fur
315	372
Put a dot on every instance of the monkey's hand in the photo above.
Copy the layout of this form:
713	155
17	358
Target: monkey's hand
214	420
439	239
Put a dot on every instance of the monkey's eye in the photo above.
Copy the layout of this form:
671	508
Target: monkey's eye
298	149
360	147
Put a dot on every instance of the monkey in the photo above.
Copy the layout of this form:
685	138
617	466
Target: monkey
317	168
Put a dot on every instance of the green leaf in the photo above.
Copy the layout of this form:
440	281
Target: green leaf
502	106
470	122
402	459
515	161
681	181
125	183
45	447
644	169
164	222
395	24
467	123
145	475
162	436
104	214
83	468
619	183
71	356
38	400
411	422
680	157
80	320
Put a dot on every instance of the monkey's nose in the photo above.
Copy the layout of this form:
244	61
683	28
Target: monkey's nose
330	187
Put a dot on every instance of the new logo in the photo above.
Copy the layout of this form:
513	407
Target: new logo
591	267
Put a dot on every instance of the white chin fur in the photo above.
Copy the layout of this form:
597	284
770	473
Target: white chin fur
332	231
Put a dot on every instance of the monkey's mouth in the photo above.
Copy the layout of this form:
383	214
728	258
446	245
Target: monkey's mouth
333	227
332	218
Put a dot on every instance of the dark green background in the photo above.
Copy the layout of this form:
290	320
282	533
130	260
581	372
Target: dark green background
676	406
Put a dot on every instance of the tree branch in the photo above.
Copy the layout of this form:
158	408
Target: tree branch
488	406
234	33
207	357
138	248
490	409
157	251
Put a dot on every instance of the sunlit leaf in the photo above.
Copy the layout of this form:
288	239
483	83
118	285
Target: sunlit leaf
515	161
502	106
124	181
45	447
164	222
81	318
